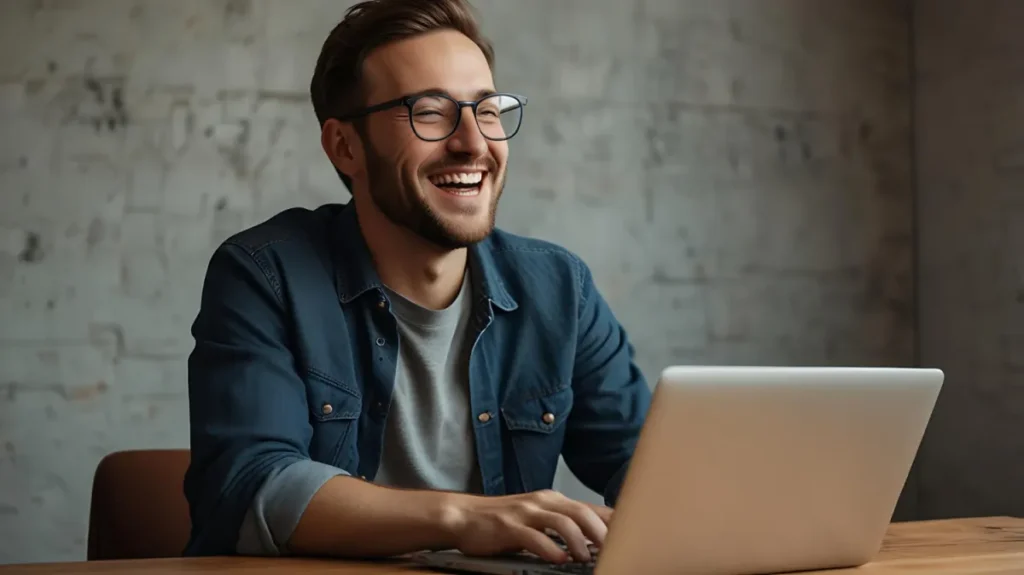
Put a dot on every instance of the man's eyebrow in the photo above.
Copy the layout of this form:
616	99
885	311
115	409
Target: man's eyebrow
434	91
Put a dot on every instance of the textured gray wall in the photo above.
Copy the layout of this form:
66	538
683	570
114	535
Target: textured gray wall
735	172
970	158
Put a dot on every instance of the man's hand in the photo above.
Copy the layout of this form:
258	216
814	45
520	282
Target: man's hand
513	523
351	517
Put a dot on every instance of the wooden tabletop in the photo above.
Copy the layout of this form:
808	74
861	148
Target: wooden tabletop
991	545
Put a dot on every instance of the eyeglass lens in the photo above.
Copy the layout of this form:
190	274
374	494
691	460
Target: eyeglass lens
499	117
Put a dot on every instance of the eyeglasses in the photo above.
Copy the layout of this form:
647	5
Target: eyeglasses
435	116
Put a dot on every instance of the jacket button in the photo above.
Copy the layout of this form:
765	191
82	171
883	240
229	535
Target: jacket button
327	409
549	418
382	304
484	417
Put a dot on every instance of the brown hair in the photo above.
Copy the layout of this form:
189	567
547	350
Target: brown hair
335	88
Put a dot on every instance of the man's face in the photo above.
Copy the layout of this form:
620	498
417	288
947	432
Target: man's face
445	191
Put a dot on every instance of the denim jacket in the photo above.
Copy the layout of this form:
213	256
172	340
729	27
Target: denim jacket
295	356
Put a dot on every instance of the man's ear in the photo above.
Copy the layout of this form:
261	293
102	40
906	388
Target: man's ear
342	146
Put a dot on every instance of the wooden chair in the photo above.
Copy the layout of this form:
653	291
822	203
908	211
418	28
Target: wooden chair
138	509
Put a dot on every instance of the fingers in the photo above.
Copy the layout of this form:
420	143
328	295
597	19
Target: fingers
589	522
584	515
567	528
524	519
605	513
541	545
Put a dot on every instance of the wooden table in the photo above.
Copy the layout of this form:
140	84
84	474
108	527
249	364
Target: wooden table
992	545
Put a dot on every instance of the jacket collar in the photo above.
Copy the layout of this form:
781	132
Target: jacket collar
356	275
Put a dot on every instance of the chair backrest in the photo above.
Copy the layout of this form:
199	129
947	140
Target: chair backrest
139	510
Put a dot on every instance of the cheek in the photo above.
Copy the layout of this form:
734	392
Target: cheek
499	150
412	158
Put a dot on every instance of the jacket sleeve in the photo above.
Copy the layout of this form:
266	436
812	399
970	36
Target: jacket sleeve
249	418
611	396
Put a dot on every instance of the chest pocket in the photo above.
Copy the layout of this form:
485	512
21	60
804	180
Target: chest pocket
334	415
536	427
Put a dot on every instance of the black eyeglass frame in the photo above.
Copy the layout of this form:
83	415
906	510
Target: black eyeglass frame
410	100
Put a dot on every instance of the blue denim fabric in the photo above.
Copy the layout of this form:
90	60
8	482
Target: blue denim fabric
294	319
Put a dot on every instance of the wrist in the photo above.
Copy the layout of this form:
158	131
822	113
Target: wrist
452	514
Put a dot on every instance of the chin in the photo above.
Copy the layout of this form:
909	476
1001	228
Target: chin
459	209
468	232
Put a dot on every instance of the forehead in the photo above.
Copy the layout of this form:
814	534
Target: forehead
445	59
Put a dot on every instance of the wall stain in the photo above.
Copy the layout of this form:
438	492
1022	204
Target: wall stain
33	250
282	96
599	151
48	357
86	392
235	154
552	136
737	89
106	335
93	86
97	231
237	9
67	392
661	277
102	105
654	157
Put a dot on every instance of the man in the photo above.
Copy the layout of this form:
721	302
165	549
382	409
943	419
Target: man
395	375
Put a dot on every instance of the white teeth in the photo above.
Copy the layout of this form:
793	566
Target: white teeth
461	178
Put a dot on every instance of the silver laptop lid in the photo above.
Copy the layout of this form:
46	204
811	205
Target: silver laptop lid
753	470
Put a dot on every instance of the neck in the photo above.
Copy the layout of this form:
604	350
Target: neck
409	265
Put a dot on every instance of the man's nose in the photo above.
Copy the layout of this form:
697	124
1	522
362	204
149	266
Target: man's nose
467	138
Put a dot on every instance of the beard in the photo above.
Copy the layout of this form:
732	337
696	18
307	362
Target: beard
401	198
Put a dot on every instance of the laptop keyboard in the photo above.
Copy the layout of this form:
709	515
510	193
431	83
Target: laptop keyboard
576	568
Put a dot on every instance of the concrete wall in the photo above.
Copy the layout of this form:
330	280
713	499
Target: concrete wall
970	166
735	172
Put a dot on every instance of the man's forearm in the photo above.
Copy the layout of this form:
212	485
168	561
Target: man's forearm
349	517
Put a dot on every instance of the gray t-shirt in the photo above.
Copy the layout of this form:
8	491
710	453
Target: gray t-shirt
428	441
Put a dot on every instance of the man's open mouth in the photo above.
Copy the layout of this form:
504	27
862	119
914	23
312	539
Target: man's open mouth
459	183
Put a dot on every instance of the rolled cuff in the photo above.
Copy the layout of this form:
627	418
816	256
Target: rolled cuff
279	504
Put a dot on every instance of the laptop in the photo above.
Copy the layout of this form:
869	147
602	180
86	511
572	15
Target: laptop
753	470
